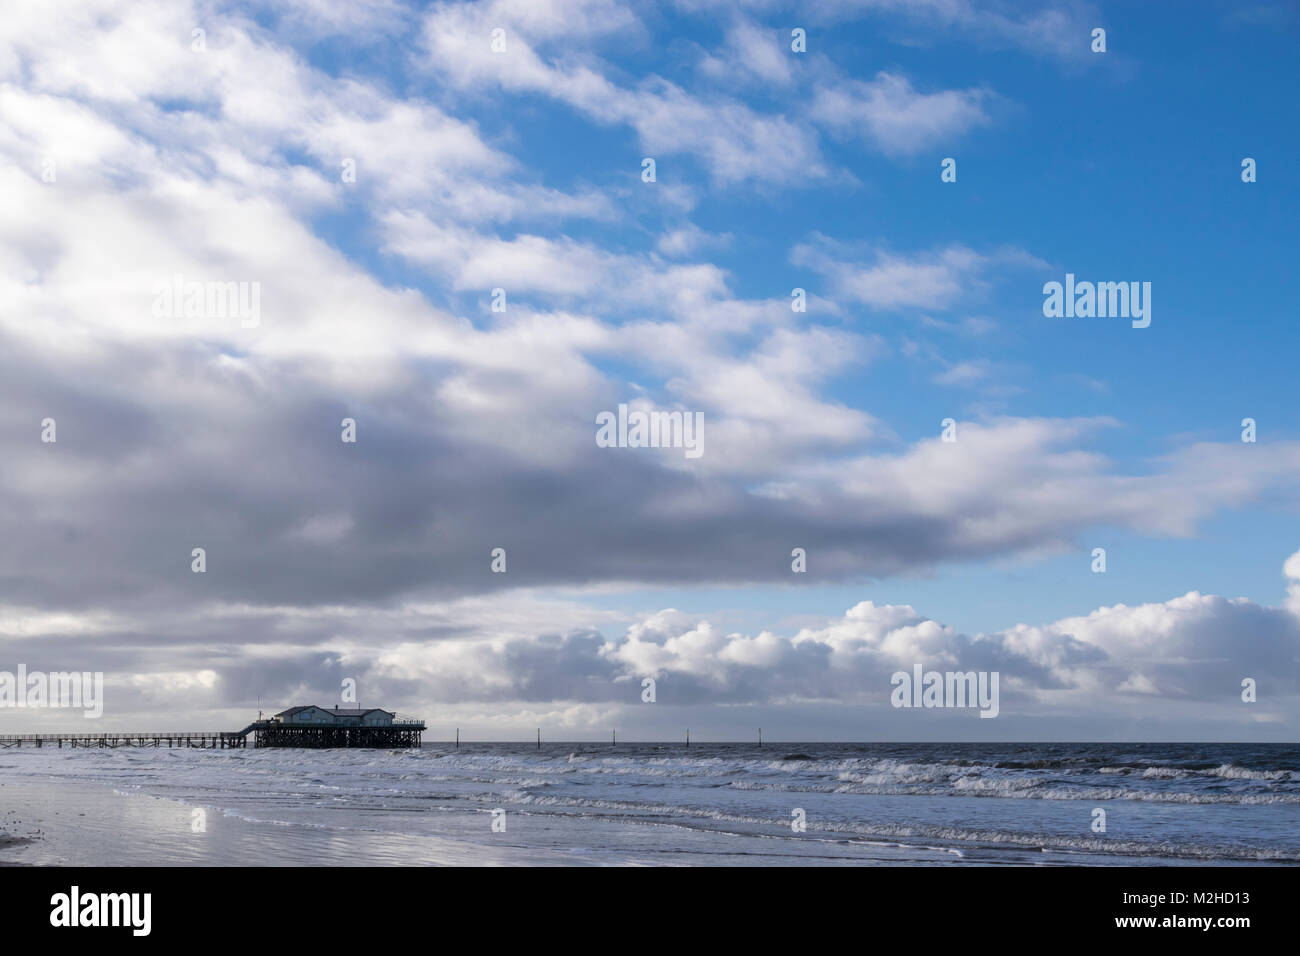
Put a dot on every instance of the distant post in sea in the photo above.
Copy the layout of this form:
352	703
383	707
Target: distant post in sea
760	736
457	738
539	738
613	738
688	736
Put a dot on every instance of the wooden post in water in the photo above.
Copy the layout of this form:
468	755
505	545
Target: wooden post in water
457	738
760	736
613	738
539	738
688	736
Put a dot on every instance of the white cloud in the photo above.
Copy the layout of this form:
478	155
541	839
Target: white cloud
896	118
933	280
1189	648
688	240
736	142
966	373
750	53
1057	29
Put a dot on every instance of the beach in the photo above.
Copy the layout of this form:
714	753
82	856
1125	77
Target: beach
654	804
65	823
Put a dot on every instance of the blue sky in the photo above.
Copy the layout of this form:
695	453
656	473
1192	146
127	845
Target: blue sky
1095	166
220	156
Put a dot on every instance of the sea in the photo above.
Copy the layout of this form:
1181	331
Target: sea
719	804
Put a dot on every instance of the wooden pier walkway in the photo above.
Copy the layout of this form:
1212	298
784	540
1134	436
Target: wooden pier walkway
265	733
186	738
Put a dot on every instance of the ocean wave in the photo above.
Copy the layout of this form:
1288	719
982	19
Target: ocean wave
677	815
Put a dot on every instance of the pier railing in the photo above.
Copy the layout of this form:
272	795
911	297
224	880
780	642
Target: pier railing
404	732
212	739
160	735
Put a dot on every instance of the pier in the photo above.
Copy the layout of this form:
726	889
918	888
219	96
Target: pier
183	738
309	726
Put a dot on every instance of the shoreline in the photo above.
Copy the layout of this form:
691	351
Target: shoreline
74	823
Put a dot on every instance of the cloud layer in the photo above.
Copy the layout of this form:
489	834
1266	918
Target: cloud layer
135	151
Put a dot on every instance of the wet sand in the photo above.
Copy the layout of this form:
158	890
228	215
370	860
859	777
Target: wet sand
58	822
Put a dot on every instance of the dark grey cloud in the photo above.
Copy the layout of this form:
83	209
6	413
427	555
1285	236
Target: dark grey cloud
162	452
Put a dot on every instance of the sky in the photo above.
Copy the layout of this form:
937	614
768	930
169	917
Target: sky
470	229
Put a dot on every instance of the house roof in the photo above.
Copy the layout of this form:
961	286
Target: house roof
336	711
